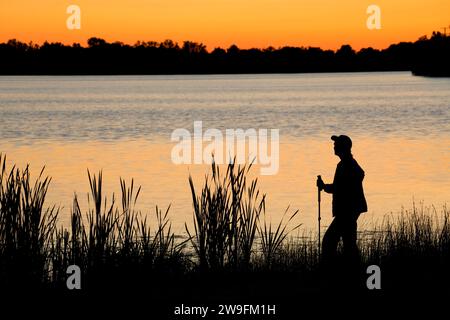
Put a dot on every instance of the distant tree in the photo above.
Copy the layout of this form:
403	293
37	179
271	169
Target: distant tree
218	52
233	49
423	38
169	44
345	51
437	35
13	43
194	47
96	42
368	51
425	56
146	44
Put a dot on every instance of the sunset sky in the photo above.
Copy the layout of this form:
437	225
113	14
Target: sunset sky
247	23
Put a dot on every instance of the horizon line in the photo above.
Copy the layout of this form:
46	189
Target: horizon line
180	43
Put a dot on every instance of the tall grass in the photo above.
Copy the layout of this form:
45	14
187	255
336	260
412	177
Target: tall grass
229	220
226	213
26	227
413	247
112	240
272	239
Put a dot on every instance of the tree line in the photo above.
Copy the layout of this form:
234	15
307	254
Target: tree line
426	56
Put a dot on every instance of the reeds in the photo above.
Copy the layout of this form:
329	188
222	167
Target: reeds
113	239
225	218
229	218
272	239
26	228
421	231
231	232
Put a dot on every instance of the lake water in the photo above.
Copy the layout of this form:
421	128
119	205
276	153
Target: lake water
399	124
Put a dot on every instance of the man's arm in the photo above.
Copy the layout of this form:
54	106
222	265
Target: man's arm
328	188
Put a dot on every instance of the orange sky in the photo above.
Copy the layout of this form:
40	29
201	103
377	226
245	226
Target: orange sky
247	23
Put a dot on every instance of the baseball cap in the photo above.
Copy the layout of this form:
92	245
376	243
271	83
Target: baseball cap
343	140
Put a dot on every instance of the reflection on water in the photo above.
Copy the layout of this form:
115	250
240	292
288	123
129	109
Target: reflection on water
150	107
399	125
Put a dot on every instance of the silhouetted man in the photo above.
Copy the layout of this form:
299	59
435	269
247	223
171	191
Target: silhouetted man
348	202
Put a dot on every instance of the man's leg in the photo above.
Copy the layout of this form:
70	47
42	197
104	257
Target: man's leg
330	272
351	252
349	229
330	241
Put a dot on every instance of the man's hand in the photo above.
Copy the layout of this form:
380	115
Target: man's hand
320	183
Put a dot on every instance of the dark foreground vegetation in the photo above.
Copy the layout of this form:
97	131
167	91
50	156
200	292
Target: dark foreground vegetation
232	251
426	56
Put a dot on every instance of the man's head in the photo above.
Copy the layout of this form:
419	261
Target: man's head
342	145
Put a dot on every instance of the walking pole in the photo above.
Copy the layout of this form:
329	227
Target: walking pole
318	218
